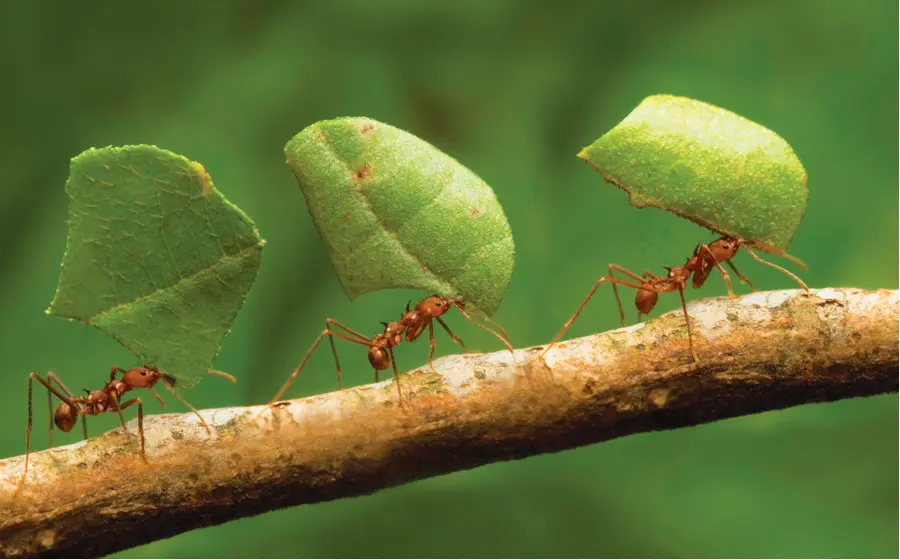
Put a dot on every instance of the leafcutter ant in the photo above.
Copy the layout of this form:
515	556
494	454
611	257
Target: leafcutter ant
412	324
700	265
107	399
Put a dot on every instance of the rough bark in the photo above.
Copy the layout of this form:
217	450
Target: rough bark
760	352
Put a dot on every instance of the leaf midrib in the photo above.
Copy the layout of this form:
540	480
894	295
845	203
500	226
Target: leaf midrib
365	199
168	289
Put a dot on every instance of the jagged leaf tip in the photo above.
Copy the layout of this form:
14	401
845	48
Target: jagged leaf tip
156	258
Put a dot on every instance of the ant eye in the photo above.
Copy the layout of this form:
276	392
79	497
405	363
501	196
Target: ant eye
438	304
725	246
143	372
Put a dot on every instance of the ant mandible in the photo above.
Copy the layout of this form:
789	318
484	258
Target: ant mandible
107	399
700	265
412	323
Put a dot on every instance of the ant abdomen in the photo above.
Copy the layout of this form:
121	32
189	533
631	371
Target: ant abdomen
645	301
65	417
379	358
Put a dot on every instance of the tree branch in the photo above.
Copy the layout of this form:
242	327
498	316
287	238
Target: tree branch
764	351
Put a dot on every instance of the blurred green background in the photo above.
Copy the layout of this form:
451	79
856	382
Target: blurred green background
513	89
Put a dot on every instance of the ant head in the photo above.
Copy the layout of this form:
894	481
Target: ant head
145	377
65	417
379	358
435	306
725	248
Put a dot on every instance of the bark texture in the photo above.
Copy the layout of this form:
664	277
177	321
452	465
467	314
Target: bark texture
765	351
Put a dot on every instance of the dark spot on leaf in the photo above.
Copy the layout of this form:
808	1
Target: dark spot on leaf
474	212
363	173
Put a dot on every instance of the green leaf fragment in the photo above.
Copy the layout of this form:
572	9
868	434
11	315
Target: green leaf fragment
708	165
395	212
156	258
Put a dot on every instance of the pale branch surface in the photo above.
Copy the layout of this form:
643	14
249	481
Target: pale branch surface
765	351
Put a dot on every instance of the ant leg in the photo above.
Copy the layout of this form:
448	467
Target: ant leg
28	429
49	414
722	271
360	339
114	370
140	404
296	372
496	326
431	344
740	276
337	362
50	389
118	408
329	322
614	267
376	376
484	327
396	376
455	338
159	399
329	332
776	267
782	254
587	298
187	404
52	378
687	321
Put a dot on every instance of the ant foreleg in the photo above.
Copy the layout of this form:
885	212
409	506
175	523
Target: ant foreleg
114	370
188	405
740	276
455	338
486	328
776	267
703	247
